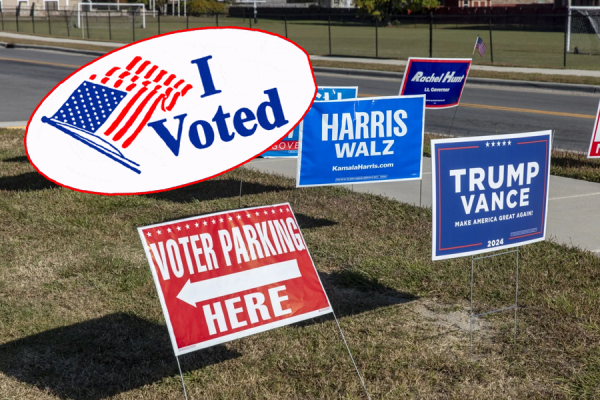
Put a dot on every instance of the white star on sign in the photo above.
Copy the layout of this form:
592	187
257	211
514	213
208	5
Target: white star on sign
266	213
287	209
187	226
220	219
247	215
487	144
498	143
231	219
204	223
214	221
257	213
273	211
509	142
493	144
239	216
504	143
159	232
280	210
148	234
178	228
169	230
196	224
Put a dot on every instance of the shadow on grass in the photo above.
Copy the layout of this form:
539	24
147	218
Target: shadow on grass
352	292
18	159
308	222
100	358
215	189
28	181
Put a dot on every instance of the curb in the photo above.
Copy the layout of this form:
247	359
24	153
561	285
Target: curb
570	87
55	48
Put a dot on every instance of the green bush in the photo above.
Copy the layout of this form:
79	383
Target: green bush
199	7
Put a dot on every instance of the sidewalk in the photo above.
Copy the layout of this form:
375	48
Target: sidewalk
545	71
573	207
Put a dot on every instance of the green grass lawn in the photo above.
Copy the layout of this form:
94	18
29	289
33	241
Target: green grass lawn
510	47
80	317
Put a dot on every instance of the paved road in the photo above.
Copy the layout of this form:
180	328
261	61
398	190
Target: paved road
27	75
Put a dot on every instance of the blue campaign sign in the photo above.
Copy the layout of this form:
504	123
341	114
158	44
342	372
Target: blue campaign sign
441	80
489	192
361	141
288	147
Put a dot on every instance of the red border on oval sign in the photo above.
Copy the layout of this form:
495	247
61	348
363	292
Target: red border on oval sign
436	60
186	184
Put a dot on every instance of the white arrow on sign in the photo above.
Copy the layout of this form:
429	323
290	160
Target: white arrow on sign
196	292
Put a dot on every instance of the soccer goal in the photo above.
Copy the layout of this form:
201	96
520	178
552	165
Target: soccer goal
583	30
134	8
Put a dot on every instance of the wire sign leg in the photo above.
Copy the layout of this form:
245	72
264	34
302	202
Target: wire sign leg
181	375
420	201
351	358
516	294
471	314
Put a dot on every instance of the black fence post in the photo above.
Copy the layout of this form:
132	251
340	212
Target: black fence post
217	19
243	15
329	28
430	34
49	24
109	27
87	23
250	20
133	26
376	39
285	21
67	21
491	43
565	44
33	17
2	18
17	15
187	21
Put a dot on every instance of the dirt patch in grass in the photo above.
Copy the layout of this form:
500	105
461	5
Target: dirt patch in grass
80	317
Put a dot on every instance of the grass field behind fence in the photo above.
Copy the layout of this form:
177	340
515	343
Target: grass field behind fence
510	47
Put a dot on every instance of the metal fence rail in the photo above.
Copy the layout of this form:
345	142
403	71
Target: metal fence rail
519	40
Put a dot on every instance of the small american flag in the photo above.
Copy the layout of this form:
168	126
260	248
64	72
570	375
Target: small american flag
92	104
480	46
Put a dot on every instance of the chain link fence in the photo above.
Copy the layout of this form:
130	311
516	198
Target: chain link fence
549	41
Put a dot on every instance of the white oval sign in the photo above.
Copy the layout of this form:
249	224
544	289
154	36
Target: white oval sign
171	110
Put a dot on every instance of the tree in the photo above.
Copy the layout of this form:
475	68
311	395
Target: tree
385	8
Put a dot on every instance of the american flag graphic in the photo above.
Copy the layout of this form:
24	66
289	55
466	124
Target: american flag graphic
480	46
132	93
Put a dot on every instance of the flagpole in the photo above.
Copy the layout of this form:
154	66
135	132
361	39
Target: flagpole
474	47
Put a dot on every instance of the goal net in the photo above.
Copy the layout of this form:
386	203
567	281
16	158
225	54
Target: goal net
137	11
583	35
